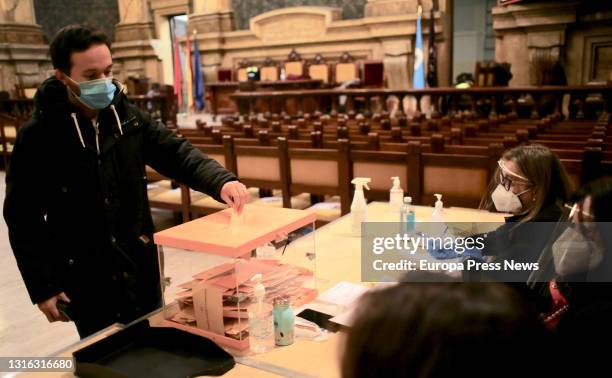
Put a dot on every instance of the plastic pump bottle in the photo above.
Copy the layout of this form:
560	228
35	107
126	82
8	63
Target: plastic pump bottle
438	213
396	195
359	205
261	323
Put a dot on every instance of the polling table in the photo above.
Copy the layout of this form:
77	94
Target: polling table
337	259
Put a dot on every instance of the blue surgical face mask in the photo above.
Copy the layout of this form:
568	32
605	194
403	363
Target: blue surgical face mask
96	94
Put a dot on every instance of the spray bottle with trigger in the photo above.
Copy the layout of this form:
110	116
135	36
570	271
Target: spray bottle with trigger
359	205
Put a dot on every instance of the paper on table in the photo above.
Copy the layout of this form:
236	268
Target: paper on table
345	319
343	294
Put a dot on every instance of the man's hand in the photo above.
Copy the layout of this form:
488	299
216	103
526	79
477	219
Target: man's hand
49	308
235	194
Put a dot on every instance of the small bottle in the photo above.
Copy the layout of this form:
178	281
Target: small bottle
396	194
261	327
284	321
438	227
438	214
407	216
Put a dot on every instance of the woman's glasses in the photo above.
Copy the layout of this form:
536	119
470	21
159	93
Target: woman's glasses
505	180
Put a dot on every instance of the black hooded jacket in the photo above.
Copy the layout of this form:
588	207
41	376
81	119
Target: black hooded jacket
77	211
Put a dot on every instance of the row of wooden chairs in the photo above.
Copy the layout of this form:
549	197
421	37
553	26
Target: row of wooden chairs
345	70
568	140
301	177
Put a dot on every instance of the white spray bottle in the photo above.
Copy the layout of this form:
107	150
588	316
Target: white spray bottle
396	195
359	205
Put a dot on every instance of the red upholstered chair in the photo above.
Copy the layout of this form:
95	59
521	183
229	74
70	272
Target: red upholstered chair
224	74
373	74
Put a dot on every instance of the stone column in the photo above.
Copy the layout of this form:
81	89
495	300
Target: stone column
210	19
23	52
531	37
133	51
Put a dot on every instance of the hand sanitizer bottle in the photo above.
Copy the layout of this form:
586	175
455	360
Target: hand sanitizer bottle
438	218
261	324
359	205
396	194
438	214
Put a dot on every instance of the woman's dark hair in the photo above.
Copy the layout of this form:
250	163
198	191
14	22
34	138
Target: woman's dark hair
74	38
600	192
445	329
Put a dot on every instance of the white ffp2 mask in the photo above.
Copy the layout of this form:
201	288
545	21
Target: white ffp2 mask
505	200
574	252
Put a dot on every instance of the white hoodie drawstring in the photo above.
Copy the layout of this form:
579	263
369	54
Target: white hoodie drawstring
78	129
117	119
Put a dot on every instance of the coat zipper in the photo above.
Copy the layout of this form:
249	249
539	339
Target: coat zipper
96	127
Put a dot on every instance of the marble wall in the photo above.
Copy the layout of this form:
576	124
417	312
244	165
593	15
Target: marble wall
244	10
54	14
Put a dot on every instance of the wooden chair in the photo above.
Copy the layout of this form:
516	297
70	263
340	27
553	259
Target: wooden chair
294	66
319	69
440	173
224	74
270	70
484	74
373	74
8	135
241	72
346	69
166	194
25	91
380	166
261	167
318	172
206	204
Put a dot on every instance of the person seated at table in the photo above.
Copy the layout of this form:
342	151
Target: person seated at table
532	185
580	298
446	329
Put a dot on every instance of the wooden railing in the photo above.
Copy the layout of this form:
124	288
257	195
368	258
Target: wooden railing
160	107
531	102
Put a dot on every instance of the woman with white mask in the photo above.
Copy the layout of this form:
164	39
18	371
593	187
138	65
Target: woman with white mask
532	186
579	300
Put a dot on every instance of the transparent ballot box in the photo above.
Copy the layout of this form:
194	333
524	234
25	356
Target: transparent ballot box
210	268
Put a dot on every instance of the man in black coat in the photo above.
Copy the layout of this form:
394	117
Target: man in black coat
76	196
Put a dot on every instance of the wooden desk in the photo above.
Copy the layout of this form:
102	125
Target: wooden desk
338	259
220	92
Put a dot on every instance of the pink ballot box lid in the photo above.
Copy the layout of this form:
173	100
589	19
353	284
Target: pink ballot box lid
216	234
